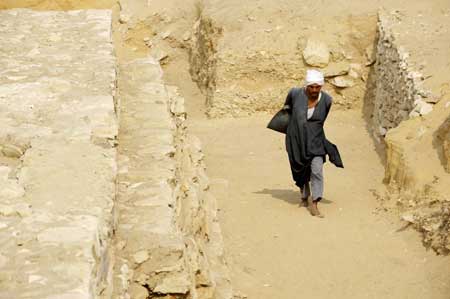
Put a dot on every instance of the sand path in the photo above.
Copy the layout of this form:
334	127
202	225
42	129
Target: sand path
277	250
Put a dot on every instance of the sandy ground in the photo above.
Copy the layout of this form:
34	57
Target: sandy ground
277	250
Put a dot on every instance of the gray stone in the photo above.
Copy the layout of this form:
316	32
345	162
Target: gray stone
425	108
336	69
342	82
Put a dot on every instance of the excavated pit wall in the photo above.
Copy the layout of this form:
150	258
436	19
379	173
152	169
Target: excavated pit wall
168	240
399	93
203	55
57	160
415	125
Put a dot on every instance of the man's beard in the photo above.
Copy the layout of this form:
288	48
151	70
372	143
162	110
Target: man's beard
314	96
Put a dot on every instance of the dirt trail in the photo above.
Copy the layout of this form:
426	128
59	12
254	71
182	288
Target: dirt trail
277	250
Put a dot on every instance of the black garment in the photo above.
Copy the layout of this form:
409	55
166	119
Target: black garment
305	138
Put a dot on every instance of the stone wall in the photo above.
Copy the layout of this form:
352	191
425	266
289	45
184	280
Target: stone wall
399	92
203	55
57	160
168	242
414	123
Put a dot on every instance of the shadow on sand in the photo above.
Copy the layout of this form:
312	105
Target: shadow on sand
289	196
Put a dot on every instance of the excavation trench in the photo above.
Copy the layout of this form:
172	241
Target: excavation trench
167	240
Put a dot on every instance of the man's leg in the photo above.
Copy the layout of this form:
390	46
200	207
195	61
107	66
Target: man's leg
316	184
305	193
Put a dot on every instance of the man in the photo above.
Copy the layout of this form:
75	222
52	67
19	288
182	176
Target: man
305	138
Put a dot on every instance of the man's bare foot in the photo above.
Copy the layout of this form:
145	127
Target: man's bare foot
315	210
304	202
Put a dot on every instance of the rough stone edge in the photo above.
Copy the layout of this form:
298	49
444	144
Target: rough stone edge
203	228
200	263
392	59
421	206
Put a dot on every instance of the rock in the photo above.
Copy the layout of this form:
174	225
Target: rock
425	109
7	211
422	107
149	43
12	151
336	69
342	82
141	256
124	18
408	218
138	292
159	54
165	34
179	284
413	114
382	131
355	70
353	74
23	210
316	53
186	36
36	278
370	55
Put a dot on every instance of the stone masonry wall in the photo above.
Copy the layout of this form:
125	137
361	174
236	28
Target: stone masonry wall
414	124
57	156
399	94
168	241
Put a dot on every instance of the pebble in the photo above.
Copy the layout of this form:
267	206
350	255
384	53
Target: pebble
12	151
141	256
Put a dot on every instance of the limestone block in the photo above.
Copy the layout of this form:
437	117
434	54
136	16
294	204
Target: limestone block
336	69
156	199
56	95
316	53
342	82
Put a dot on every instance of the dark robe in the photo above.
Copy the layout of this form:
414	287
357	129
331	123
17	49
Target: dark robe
305	139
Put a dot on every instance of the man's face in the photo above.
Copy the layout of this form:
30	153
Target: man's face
313	90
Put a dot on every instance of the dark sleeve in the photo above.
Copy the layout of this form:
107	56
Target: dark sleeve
288	102
329	101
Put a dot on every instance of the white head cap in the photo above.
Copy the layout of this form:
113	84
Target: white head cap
314	77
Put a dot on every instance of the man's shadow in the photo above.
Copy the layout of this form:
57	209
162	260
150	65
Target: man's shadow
288	195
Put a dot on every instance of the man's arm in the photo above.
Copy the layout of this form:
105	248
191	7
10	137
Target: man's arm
329	102
288	102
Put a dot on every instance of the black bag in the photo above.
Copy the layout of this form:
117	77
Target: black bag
280	121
